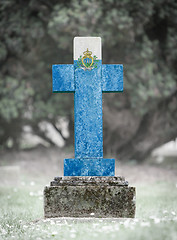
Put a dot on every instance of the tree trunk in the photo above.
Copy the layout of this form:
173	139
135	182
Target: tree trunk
156	127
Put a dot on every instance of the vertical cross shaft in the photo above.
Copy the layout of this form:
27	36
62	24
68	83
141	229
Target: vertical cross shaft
88	113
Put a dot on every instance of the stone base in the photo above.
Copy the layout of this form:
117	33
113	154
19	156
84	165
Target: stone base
106	197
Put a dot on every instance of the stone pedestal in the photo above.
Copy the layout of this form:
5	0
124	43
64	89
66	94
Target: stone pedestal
103	197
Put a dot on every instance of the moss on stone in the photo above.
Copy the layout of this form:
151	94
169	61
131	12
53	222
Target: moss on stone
103	200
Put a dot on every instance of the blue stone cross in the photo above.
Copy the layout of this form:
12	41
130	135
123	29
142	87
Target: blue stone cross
87	78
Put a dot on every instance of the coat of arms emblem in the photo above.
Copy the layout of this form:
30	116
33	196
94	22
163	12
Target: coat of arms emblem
87	62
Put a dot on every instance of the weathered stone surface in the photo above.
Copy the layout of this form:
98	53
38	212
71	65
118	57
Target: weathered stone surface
88	78
89	197
89	167
86	196
84	181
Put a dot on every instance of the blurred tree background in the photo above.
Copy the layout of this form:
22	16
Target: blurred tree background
139	34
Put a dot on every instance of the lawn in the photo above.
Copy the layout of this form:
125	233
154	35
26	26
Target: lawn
21	212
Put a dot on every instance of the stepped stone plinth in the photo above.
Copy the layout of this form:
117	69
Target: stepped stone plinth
89	197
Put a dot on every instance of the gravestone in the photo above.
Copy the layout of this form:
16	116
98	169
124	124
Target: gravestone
89	187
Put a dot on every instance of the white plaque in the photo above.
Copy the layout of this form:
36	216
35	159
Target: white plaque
93	44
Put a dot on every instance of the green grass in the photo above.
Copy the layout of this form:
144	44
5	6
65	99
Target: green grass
21	216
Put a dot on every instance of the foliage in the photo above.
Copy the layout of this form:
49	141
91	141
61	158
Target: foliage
36	34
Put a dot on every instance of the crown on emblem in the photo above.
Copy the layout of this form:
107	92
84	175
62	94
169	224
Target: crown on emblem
87	54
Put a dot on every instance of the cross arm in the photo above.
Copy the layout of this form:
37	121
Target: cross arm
112	77
63	78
